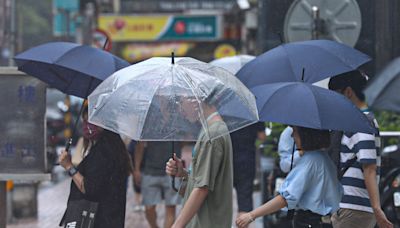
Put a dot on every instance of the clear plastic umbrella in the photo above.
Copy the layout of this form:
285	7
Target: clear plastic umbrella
163	100
233	63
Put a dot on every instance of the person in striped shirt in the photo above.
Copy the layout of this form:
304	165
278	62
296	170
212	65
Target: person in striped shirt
360	204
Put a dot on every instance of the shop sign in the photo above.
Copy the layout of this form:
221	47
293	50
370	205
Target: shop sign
161	27
138	52
224	50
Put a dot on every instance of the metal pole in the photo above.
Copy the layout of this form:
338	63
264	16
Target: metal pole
316	22
2	21
3	204
12	34
68	21
89	15
117	6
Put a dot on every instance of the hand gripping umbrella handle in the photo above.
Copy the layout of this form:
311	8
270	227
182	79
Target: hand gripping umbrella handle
69	142
173	184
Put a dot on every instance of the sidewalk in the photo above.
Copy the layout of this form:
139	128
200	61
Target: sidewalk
52	200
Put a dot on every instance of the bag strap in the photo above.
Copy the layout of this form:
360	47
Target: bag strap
346	166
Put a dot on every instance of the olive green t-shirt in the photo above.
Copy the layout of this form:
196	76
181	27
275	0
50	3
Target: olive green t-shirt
212	168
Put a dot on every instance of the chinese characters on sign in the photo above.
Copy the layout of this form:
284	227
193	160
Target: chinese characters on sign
26	94
10	150
22	145
162	27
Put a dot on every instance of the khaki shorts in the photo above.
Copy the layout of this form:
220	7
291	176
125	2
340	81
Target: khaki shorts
345	218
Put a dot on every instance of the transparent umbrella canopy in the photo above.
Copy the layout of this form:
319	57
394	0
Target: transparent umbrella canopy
233	63
167	99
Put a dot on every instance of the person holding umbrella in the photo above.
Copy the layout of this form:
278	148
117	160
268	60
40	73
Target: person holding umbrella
311	188
100	177
201	97
360	205
207	187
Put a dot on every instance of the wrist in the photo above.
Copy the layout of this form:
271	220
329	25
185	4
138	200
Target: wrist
251	217
375	209
72	171
68	167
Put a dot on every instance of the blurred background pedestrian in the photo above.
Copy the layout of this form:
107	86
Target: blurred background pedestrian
154	183
244	163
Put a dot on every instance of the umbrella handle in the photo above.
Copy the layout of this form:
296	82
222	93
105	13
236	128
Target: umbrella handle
68	144
173	158
173	184
173	179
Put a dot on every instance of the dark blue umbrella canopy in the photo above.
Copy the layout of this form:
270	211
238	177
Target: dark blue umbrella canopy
72	68
320	59
383	92
305	105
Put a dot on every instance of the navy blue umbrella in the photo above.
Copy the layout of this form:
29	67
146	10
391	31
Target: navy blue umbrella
69	67
72	68
320	58
305	105
383	92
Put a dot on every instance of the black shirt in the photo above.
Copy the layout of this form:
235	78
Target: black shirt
243	141
104	182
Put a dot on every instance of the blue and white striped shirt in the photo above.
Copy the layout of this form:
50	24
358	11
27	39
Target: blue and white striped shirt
366	147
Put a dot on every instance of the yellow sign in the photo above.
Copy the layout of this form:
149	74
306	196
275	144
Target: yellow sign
224	50
138	52
130	28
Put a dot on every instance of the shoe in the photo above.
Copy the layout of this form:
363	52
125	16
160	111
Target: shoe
138	208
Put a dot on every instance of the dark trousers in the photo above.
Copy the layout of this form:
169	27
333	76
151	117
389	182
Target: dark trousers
306	219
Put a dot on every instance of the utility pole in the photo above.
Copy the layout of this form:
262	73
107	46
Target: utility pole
2	21
116	6
3	192
88	24
3	204
12	34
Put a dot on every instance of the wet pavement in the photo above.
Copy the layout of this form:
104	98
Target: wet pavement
52	198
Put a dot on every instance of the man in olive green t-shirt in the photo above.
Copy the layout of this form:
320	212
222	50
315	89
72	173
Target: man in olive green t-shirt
208	194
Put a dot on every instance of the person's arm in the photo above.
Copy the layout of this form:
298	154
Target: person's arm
367	157
373	192
65	162
139	151
77	156
285	147
192	205
277	203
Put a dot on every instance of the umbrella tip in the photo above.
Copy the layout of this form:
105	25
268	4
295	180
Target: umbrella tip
302	75
172	57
